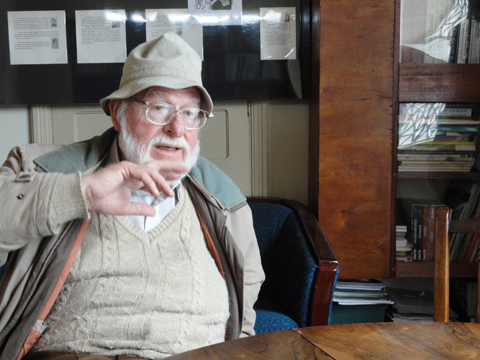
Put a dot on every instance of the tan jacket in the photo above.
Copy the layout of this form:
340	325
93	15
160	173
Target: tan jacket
37	249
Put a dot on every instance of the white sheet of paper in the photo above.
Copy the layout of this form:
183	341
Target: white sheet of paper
160	21
215	12
278	33
37	37
101	36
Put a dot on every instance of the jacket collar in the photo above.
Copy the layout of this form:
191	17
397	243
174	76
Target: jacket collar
84	155
79	156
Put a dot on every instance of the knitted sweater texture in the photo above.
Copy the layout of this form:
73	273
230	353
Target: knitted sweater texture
148	294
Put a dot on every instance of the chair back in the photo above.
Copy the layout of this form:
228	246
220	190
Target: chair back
287	259
299	263
443	227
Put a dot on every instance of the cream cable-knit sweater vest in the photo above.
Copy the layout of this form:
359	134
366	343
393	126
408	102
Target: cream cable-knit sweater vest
147	294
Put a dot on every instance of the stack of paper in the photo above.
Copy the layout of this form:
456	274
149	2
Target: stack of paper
412	305
360	292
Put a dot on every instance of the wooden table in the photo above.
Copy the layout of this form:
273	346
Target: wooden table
353	341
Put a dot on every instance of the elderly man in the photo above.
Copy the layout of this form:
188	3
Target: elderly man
129	243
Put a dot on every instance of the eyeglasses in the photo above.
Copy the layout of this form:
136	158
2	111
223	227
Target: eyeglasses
162	113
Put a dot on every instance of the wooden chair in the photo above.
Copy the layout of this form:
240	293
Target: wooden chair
444	226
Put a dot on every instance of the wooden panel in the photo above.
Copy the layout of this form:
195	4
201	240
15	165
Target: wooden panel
354	205
355	133
439	83
424	269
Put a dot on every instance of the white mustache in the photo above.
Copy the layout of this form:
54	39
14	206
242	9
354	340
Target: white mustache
162	139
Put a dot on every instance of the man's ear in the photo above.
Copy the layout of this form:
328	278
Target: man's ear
113	105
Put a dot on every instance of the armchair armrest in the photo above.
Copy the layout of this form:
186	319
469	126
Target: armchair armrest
328	267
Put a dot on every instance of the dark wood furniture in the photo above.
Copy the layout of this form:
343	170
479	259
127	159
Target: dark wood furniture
443	227
357	85
353	341
326	264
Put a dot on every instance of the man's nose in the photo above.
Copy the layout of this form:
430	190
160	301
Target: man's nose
176	127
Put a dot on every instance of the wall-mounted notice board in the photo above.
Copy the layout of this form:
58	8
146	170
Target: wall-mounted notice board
232	67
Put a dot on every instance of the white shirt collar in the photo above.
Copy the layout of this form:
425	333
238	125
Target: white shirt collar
163	204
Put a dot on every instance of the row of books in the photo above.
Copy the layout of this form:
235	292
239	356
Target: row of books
403	247
466	45
463	198
437	137
438	31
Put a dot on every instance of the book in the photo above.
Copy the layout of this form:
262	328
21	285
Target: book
463	41
475	55
406	31
458	128
434	157
472	249
467	238
409	301
438	147
425	229
441	40
418	30
416	231
430	28
472	40
431	231
452	56
462	197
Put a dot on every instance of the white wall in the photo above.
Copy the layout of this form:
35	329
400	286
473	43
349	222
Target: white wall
288	149
287	144
14	129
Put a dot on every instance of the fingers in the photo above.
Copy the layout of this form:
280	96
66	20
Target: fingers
108	190
154	176
140	209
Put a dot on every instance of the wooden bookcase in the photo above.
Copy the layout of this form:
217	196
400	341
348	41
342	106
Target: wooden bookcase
353	131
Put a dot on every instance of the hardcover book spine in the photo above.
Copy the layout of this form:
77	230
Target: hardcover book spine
414	232
424	232
418	30
406	32
430	23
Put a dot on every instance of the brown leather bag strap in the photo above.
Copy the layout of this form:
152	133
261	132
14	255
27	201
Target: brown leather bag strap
34	335
211	246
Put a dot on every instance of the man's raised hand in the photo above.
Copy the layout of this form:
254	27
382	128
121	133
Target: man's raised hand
107	191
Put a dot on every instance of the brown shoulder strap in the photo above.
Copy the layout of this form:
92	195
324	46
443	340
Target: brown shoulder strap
34	335
211	247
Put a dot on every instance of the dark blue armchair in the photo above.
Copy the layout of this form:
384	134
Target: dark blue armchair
299	264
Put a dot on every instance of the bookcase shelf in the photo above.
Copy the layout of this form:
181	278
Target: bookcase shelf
439	83
354	111
473	175
426	269
430	83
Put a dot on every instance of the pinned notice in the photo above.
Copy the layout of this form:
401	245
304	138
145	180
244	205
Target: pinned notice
101	36
278	34
161	21
37	37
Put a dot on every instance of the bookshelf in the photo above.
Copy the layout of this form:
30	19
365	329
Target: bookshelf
431	83
357	86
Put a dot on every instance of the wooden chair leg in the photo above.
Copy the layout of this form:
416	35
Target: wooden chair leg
442	263
477	314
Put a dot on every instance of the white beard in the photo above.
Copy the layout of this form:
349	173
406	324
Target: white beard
139	153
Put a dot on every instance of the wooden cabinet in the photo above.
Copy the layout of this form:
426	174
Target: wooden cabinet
353	130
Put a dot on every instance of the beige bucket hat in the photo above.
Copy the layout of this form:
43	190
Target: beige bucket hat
167	61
